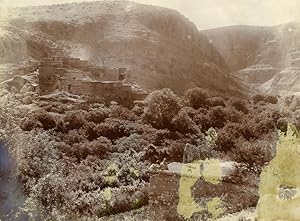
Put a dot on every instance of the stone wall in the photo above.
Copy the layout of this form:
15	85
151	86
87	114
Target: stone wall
47	79
109	91
78	77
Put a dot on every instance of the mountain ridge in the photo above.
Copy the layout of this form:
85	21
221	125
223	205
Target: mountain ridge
264	56
159	46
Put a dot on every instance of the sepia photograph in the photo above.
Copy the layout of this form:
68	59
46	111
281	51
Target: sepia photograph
149	110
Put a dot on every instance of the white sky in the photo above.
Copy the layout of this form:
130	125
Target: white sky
213	13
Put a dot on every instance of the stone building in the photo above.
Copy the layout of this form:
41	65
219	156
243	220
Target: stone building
78	77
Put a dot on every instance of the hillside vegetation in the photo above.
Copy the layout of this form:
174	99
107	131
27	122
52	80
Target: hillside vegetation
103	154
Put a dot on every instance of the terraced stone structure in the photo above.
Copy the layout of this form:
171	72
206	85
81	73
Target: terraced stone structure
78	77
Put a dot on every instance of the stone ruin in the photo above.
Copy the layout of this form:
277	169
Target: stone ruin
78	77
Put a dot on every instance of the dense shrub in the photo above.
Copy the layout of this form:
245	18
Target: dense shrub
97	150
272	99
134	141
120	112
255	154
196	98
138	109
113	128
296	119
75	119
264	126
295	104
38	119
158	137
82	150
282	124
203	120
160	108
74	136
268	98
175	151
216	101
258	97
97	115
218	117
184	124
227	136
90	131
57	107
239	105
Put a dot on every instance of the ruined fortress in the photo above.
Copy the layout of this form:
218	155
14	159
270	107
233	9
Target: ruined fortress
78	77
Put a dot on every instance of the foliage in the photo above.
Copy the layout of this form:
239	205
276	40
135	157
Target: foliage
103	153
196	98
160	108
38	119
268	98
75	119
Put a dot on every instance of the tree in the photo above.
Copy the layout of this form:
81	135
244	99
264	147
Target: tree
184	124
196	98
160	108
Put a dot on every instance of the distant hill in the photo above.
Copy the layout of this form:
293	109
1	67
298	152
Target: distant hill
159	46
267	57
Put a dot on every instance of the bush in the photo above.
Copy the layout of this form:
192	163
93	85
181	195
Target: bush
57	107
138	109
218	116
97	115
203	120
74	136
267	98
257	98
160	108
226	137
264	126
239	105
82	150
184	124
175	150
255	154
120	112
272	99
158	137
113	128
134	141
196	98
38	119
295	104
75	119
282	124
216	101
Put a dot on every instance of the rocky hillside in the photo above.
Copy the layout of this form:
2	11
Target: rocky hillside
265	56
159	46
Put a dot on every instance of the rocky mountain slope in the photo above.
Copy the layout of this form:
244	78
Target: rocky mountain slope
159	46
267	57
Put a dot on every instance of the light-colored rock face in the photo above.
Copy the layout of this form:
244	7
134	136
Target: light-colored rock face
160	47
257	74
268	57
286	82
